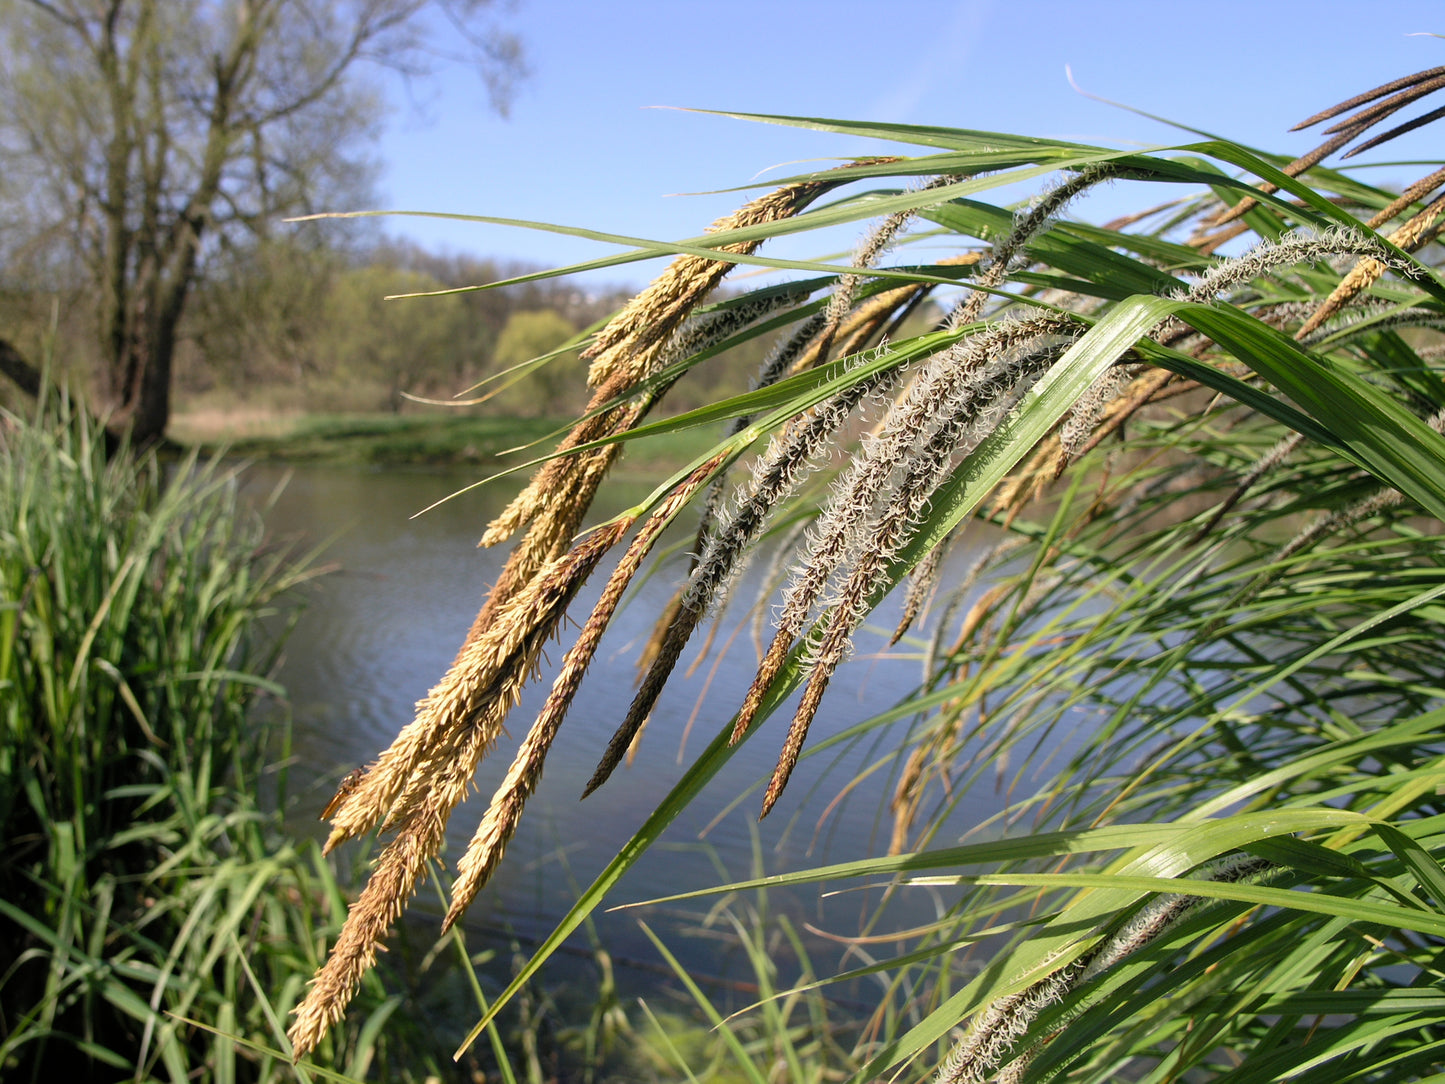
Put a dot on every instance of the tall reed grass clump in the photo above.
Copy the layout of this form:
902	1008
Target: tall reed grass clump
152	921
1204	660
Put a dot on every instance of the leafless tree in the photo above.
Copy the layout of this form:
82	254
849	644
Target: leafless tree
136	131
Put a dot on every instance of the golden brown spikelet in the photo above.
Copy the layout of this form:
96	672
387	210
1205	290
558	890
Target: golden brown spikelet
859	326
626	352
907	796
1389	98
635	335
395	877
922	584
503	814
1417	191
1025	483
662	653
415	785
802	721
977	614
551	493
1419	230
768	671
490	668
658	637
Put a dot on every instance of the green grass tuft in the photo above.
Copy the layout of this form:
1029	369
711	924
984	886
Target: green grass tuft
154	923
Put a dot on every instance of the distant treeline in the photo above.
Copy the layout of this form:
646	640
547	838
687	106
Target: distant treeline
298	325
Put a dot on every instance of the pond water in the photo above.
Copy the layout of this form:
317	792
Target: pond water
377	634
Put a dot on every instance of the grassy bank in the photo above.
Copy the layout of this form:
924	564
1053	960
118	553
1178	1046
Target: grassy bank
410	439
154	922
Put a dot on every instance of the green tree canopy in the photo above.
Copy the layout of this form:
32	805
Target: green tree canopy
552	387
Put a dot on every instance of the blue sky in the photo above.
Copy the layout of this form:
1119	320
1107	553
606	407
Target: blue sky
584	145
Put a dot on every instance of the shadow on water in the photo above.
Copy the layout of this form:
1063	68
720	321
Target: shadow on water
376	635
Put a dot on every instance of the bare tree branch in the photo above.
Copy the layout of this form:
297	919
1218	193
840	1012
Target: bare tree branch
150	126
14	365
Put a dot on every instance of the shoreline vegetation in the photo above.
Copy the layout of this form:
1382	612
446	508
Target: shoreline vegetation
155	920
491	443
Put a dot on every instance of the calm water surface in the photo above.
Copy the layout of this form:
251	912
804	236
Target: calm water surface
376	635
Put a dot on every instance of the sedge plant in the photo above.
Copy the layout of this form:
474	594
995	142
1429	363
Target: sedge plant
1210	432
